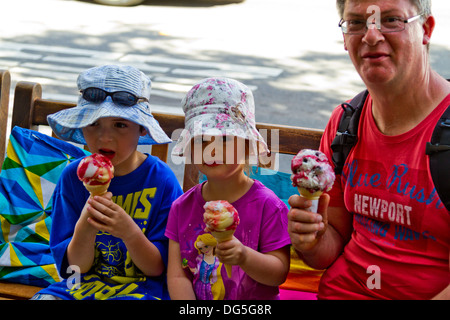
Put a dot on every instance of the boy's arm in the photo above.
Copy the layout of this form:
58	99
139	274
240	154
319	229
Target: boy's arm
144	254
81	248
180	287
109	217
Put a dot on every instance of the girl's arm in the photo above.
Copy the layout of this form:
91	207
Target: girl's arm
269	268
180	287
110	217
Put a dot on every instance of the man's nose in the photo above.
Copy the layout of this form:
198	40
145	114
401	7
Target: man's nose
373	35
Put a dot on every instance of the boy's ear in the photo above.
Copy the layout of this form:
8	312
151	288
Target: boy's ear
143	131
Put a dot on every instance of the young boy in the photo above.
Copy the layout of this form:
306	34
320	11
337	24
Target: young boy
112	246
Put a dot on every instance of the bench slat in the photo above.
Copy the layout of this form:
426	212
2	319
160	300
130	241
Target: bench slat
17	291
5	85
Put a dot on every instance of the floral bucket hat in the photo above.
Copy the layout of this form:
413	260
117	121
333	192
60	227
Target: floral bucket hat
220	107
124	93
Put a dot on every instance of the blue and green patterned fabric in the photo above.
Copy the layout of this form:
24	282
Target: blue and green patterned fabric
29	175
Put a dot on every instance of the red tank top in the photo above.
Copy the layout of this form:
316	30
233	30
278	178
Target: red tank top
400	245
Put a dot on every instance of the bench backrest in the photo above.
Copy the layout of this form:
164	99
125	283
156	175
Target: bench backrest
31	110
5	85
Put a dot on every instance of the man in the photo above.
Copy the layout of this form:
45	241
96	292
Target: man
383	232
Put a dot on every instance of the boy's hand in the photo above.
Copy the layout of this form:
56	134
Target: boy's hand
109	217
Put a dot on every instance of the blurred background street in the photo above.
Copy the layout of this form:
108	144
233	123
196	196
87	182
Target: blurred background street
289	52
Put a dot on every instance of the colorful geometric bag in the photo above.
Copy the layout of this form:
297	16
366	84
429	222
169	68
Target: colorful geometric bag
29	175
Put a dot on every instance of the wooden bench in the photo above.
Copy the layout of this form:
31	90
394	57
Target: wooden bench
5	86
30	110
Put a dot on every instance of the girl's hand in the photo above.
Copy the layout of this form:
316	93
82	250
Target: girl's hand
109	217
269	268
231	252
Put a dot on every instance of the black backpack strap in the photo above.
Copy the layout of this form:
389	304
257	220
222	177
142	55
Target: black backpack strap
439	152
346	135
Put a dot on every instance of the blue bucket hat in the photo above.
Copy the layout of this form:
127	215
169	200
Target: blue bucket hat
67	124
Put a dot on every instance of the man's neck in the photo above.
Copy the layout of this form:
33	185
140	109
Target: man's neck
399	108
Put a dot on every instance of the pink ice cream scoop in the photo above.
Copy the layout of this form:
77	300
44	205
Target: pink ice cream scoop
96	172
221	219
220	216
312	173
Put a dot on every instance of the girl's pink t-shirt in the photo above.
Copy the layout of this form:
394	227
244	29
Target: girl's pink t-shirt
262	227
399	248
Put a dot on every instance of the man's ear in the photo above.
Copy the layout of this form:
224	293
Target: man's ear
428	28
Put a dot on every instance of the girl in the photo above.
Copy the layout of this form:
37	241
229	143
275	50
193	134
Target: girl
220	137
112	246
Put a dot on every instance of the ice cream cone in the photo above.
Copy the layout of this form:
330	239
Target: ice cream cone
313	196
305	193
228	269
221	219
96	172
97	190
222	236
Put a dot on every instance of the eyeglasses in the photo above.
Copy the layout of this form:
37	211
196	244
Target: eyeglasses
123	98
385	25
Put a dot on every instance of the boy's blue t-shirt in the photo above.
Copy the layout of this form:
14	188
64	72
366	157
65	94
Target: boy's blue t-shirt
147	195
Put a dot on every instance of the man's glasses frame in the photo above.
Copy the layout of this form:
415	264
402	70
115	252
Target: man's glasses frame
386	25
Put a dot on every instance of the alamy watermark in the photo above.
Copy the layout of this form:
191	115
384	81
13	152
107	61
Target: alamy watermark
374	280
74	280
374	21
218	151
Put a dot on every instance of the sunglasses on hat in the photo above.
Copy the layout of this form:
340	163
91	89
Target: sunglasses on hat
123	98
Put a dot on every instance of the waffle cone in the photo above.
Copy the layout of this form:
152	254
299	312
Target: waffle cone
308	195
222	236
97	190
228	270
